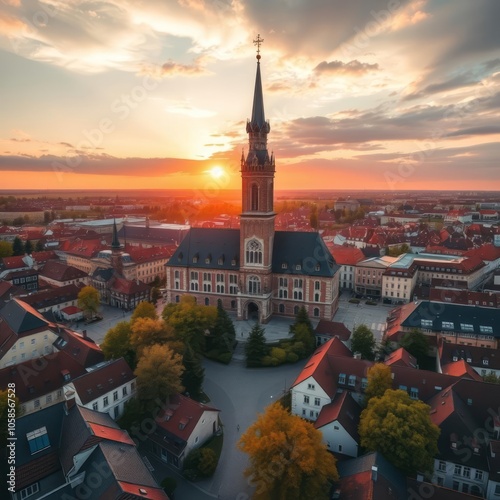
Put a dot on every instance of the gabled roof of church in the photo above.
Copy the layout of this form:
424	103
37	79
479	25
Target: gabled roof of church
209	249
293	253
303	254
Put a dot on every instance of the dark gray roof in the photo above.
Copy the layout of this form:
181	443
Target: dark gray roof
306	250
152	234
208	249
51	418
465	319
103	274
19	318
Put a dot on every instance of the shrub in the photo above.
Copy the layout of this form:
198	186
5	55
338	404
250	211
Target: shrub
279	354
354	301
299	349
225	357
370	303
207	463
169	484
266	361
190	474
291	357
213	354
275	362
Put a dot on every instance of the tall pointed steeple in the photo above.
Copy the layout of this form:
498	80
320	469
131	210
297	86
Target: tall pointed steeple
115	243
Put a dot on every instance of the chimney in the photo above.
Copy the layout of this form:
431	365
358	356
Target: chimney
374	473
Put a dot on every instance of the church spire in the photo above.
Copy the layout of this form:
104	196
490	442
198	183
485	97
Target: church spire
115	242
258	121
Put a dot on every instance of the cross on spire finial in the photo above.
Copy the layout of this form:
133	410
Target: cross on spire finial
258	41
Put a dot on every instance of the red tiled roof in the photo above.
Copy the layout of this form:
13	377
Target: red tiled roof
105	432
347	256
461	368
128	287
84	350
137	490
184	415
401	357
485	252
59	271
333	328
37	469
37	377
100	381
71	310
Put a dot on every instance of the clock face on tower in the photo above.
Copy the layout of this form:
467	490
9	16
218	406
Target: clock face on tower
260	145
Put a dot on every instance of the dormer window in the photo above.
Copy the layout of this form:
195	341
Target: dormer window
298	267
284	265
485	361
341	378
38	440
455	358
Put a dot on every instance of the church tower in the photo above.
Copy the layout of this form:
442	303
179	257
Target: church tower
257	217
116	252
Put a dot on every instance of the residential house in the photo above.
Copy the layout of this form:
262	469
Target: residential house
326	330
58	274
182	425
105	387
74	452
347	258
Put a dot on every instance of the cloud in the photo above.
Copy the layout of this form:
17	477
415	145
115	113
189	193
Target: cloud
459	81
353	67
172	68
101	165
486	130
187	109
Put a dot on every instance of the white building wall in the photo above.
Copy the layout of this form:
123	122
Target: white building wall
338	440
308	398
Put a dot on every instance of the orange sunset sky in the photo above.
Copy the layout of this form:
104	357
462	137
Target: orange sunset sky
379	94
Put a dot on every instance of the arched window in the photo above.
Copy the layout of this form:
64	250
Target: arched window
316	312
254	252
296	310
254	285
255	197
233	304
207	301
282	308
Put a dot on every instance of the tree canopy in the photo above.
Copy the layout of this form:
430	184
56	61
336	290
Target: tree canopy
255	347
17	246
401	429
379	379
363	341
417	344
147	332
287	457
191	322
89	300
303	331
5	249
144	310
194	373
159	373
223	333
116	343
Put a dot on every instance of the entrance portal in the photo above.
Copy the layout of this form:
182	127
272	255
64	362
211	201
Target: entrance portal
253	311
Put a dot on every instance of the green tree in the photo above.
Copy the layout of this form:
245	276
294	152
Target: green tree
255	347
89	300
191	322
223	333
5	249
6	405
194	373
379	379
417	344
303	331
363	341
313	217
287	457
17	246
155	295
159	373
144	310
28	247
39	246
401	429
491	378
116	343
398	250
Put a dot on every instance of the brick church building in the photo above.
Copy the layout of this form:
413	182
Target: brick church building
256	271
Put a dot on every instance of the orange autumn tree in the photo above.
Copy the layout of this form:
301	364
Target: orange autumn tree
287	457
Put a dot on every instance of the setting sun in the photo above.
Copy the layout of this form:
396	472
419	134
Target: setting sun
216	172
